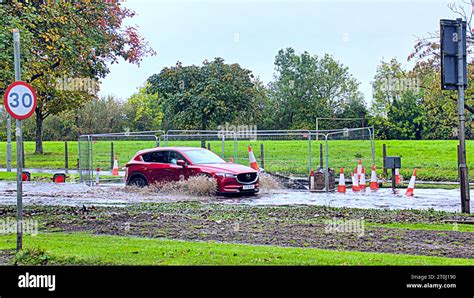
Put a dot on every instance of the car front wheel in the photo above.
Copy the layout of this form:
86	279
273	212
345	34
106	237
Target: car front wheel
138	181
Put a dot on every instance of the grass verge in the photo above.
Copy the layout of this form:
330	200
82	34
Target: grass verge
82	248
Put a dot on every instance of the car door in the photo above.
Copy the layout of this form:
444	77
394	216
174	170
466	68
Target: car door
178	172
157	163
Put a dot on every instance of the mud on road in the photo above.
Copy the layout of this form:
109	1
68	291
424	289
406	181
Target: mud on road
292	226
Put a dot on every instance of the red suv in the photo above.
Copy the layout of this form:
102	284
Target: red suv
179	163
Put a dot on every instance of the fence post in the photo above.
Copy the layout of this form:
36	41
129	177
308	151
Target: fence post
66	158
203	143
384	152
262	156
326	166
209	146
310	153
79	160
223	147
112	155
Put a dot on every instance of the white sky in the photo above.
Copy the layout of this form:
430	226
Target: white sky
357	33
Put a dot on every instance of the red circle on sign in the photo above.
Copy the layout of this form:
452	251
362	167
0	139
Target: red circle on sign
7	106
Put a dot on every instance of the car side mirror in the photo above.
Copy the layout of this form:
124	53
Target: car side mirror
181	163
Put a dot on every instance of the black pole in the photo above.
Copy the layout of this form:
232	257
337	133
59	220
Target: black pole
66	159
384	152
394	185
262	156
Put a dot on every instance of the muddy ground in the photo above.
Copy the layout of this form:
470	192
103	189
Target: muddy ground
297	226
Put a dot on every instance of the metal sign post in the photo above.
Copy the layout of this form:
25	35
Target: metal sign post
9	143
19	151
465	192
454	77
20	103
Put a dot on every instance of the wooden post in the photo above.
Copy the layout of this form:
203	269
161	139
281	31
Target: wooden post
209	146
262	156
112	155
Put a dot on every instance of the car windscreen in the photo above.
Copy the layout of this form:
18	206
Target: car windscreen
203	156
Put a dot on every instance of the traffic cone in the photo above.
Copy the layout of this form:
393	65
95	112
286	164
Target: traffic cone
374	184
311	180
355	183
359	169
253	161
115	170
362	183
411	186
342	182
231	159
398	179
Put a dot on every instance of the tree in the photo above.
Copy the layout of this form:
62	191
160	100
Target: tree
204	97
144	111
427	55
64	42
105	115
307	87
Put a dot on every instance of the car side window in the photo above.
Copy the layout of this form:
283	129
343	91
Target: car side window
175	156
157	157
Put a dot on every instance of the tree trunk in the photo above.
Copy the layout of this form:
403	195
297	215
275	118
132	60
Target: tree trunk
39	132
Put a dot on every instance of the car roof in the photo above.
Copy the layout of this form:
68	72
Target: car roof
168	148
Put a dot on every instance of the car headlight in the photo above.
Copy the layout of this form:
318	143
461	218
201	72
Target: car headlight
226	175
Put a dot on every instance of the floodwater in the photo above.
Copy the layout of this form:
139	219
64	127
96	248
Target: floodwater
40	193
437	199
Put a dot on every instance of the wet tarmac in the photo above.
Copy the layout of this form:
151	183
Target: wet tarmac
39	193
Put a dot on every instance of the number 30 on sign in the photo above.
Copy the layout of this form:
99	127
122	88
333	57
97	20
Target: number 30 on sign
20	100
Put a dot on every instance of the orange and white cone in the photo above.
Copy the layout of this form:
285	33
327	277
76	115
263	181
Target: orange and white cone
411	185
374	184
398	179
355	183
253	161
362	182
359	169
311	180
115	170
342	182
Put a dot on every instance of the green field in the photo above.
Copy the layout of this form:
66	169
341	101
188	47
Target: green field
435	160
82	248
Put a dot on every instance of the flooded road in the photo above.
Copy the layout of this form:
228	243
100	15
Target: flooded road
38	193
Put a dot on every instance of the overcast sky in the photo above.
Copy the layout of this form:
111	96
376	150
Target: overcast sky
357	33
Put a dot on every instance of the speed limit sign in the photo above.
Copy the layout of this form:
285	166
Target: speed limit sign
20	100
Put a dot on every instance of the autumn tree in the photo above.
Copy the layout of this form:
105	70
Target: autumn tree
63	42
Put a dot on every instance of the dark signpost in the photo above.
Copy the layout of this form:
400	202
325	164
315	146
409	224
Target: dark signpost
454	77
